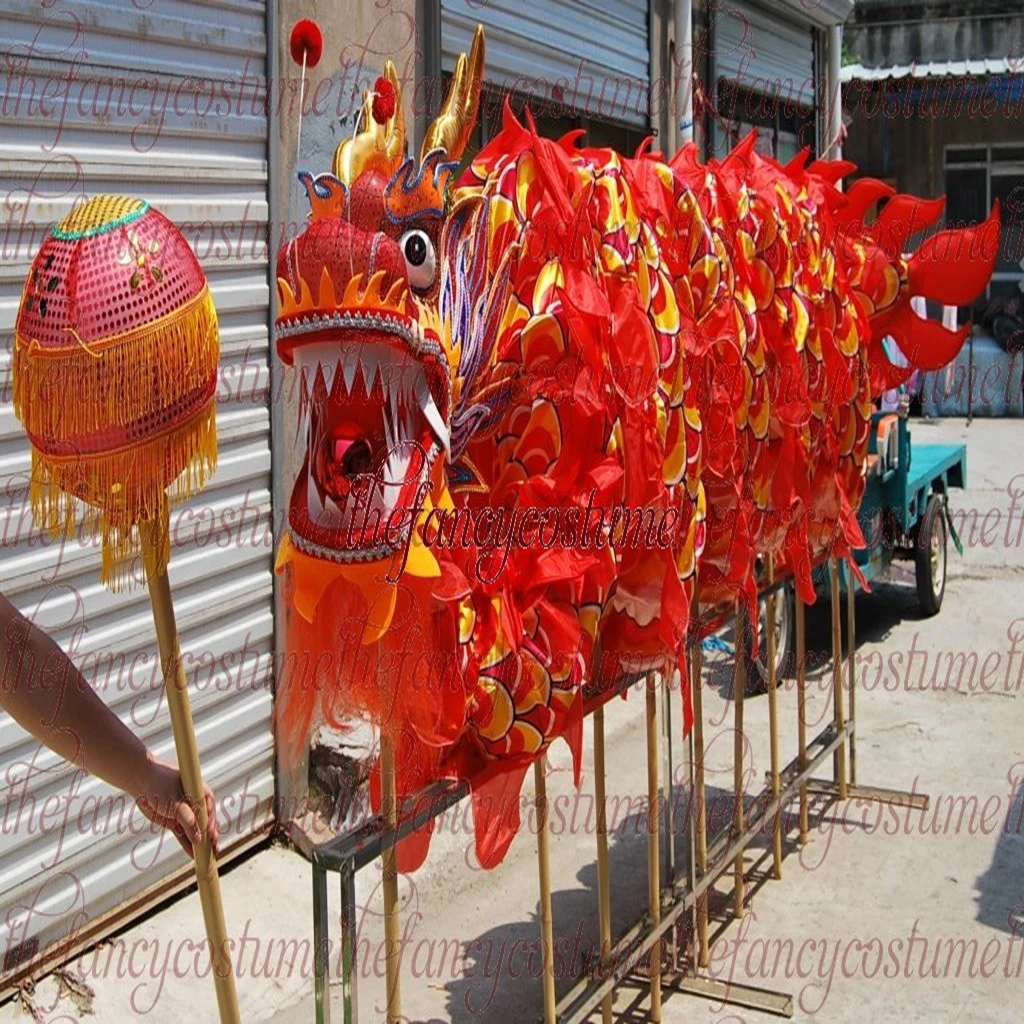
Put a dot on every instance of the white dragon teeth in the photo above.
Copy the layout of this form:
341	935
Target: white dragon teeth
395	468
393	403
368	360
328	370
433	414
334	513
348	370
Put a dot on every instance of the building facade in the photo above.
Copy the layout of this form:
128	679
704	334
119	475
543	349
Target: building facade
933	95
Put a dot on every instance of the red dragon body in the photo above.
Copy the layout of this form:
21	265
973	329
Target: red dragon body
540	403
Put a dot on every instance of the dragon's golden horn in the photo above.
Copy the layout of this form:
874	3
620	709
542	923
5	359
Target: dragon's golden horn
451	128
374	147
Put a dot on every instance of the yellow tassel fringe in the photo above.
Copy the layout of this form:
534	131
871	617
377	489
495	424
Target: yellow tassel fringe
85	387
124	487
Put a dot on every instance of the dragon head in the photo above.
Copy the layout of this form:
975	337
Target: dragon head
358	318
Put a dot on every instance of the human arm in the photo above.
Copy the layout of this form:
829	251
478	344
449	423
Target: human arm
47	696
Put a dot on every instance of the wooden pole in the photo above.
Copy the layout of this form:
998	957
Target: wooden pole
851	673
801	711
154	537
839	761
773	719
544	868
700	796
653	852
392	941
739	685
604	904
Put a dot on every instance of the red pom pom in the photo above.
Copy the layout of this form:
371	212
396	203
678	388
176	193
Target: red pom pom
384	100
307	39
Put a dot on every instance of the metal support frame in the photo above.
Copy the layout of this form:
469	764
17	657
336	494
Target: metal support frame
739	687
839	760
773	719
801	710
603	883
653	837
544	871
699	804
672	894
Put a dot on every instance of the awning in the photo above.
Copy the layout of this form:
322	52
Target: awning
934	69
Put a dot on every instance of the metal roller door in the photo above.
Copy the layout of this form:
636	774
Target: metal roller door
165	100
589	57
763	52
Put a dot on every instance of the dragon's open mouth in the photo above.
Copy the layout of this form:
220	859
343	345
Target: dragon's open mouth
375	407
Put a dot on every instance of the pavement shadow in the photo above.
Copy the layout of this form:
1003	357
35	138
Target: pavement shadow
1001	888
502	978
891	602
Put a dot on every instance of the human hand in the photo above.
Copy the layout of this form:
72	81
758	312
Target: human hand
162	800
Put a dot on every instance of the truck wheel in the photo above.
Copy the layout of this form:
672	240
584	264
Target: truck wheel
757	661
930	556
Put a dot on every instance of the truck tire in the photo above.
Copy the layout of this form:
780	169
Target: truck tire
930	556
785	624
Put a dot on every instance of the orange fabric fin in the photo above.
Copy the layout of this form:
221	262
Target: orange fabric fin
831	171
798	163
496	814
415	768
863	194
740	153
953	267
902	217
926	344
570	138
644	148
886	376
573	736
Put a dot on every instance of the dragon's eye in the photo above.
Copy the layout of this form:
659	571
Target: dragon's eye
420	261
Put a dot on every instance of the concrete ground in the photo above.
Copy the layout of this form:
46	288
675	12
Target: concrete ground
885	915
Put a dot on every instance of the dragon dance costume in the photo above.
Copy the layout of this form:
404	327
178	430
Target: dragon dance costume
492	364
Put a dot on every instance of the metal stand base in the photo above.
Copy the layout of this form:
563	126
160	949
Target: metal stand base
732	993
878	794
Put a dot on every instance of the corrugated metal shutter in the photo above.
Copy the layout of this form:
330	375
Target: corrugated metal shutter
165	100
762	52
594	54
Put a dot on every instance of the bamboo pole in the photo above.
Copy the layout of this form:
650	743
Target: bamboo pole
851	596
801	712
700	797
739	685
653	852
544	869
604	905
773	719
392	942
153	537
839	762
